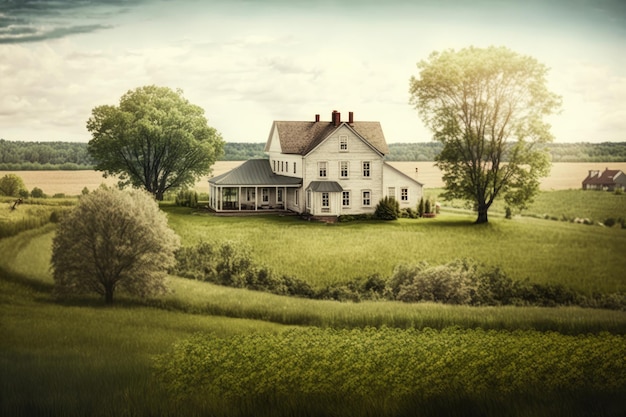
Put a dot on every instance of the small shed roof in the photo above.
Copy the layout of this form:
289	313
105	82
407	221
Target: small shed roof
254	172
325	187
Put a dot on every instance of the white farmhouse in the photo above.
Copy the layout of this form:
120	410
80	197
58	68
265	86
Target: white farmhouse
323	169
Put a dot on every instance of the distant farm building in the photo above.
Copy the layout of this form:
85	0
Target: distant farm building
609	180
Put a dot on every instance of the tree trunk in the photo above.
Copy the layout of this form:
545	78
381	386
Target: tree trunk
159	195
482	215
108	295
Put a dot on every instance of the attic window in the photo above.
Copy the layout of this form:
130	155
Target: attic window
343	143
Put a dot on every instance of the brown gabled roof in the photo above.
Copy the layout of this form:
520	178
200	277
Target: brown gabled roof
302	137
606	178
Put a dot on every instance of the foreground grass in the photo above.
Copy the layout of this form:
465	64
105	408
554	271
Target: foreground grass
77	358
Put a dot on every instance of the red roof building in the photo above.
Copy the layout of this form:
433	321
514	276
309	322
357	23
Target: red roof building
609	180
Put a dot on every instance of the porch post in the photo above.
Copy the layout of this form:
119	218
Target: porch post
256	196
239	198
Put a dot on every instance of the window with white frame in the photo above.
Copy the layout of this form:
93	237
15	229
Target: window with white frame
343	143
322	169
404	194
344	169
366	169
367	198
266	195
251	194
391	192
345	199
308	199
325	200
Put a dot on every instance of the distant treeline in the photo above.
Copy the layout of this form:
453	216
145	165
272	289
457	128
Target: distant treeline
30	156
22	156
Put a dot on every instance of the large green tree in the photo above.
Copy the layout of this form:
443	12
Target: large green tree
486	106
13	186
154	139
113	240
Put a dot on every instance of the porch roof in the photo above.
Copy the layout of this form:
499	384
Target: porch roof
254	172
325	187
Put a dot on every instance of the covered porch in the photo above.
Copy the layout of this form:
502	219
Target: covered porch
251	187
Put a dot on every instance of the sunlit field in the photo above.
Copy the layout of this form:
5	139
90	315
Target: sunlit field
563	176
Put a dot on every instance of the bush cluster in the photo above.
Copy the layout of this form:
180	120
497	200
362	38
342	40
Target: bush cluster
231	264
387	208
461	282
187	198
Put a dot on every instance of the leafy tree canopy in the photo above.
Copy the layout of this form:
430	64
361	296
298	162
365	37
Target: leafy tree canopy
486	106
155	139
13	186
113	240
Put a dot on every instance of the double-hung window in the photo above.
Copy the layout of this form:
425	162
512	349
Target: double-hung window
325	202
344	169
345	199
366	169
367	198
343	143
322	169
404	194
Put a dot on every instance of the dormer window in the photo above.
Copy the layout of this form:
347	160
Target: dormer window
343	143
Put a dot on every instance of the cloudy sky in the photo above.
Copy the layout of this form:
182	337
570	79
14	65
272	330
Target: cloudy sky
249	62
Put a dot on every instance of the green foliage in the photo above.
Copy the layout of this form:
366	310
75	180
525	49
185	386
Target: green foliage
231	264
388	208
486	106
19	155
12	185
559	152
187	198
236	151
37	193
390	366
113	240
155	139
421	207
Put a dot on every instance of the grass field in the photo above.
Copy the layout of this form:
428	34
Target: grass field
75	357
584	257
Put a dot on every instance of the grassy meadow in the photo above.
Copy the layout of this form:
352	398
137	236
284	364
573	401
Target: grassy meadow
207	350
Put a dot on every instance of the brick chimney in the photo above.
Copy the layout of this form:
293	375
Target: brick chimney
336	118
351	118
317	118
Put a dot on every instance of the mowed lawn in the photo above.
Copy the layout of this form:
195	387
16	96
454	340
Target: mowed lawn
586	258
